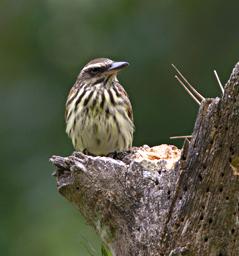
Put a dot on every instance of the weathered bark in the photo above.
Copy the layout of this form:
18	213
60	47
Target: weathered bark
159	201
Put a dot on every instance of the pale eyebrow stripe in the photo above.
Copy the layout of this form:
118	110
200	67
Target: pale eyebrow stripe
93	66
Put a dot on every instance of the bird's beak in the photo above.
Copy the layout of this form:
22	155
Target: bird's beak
116	66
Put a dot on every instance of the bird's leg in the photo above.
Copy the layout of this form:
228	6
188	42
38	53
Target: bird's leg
86	152
120	155
113	155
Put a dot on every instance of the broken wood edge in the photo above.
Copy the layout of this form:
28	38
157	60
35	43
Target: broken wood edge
124	230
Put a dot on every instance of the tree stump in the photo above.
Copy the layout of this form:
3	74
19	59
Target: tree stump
162	200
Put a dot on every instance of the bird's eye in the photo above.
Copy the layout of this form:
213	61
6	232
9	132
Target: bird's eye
95	70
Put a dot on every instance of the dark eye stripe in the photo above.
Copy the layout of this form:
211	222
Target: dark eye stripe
95	70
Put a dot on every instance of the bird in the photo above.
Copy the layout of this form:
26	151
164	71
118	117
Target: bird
99	116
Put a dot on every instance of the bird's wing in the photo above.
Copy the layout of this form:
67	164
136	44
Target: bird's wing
124	94
71	96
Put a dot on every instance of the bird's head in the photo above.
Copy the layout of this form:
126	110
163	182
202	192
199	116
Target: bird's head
101	69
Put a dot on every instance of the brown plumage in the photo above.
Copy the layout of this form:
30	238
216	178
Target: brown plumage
99	117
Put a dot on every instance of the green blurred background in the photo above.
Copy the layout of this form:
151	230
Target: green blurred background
43	46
